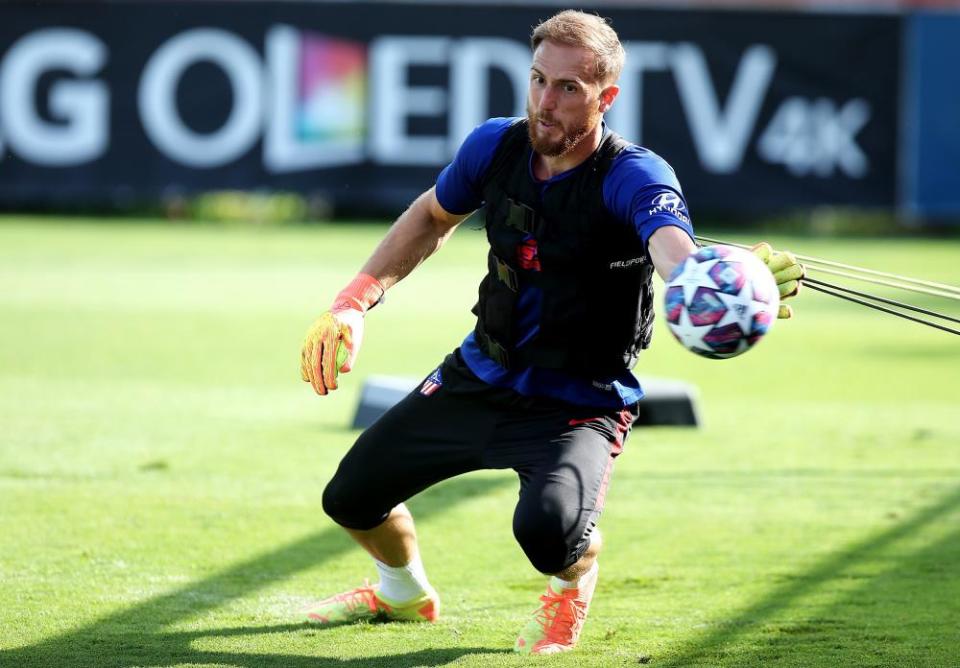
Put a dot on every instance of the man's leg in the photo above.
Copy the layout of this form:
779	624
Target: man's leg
585	563
420	441
403	591
393	546
555	523
394	542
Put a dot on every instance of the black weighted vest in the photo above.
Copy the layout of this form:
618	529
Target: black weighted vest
595	276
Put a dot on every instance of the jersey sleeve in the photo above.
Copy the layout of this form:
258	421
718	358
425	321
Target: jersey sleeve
642	189
459	184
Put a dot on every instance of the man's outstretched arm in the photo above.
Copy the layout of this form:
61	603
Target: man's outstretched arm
333	340
669	246
418	233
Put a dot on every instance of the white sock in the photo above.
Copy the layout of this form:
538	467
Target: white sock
557	584
403	583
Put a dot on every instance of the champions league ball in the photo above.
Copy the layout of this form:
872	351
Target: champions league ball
720	301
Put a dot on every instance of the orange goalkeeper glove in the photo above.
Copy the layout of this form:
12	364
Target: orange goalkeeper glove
333	340
786	270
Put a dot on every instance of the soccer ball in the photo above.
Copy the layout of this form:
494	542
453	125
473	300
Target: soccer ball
720	301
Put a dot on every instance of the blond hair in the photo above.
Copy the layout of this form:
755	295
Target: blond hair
592	32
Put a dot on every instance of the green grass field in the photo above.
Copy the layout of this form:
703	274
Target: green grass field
161	466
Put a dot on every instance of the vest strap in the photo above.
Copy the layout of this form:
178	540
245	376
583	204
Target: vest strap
494	350
506	274
522	217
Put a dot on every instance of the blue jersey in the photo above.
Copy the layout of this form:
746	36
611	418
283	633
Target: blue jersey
640	188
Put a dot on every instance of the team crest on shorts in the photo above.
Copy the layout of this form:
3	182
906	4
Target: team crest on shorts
432	384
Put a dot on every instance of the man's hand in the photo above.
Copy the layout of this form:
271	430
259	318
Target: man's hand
333	340
786	270
331	346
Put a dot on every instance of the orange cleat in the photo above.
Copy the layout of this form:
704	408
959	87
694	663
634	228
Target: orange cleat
365	603
556	624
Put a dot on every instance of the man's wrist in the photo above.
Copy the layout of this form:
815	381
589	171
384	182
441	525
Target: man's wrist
362	293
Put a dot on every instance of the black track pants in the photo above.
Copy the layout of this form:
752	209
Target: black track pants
563	454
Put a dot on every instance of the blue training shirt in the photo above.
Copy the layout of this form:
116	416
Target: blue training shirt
640	187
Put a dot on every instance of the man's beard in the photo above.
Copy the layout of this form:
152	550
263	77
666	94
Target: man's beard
559	147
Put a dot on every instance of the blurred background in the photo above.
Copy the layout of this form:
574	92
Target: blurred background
789	110
184	186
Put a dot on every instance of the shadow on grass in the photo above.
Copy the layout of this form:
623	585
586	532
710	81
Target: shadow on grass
135	636
425	657
909	615
897	617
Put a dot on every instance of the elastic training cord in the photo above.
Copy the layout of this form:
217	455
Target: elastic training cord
812	281
885	310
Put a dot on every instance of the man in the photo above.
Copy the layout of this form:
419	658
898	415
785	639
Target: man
577	221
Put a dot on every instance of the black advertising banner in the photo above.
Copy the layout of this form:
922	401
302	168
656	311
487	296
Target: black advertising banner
364	103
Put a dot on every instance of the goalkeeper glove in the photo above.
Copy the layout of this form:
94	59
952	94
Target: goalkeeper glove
786	270
333	340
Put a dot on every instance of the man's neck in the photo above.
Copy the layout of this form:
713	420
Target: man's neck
546	167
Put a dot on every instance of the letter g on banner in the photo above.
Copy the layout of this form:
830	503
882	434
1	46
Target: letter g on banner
158	98
79	130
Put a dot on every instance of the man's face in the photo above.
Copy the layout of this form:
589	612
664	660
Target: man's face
565	102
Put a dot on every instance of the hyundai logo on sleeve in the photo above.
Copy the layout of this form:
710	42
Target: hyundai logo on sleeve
670	203
667	201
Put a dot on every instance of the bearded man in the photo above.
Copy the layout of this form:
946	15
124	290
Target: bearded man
578	219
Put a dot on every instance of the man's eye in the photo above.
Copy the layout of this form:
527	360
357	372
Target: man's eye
570	88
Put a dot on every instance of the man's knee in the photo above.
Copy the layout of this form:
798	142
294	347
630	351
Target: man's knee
336	502
346	505
547	541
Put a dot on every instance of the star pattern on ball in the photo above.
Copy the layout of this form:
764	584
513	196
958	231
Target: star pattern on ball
695	275
740	308
690	335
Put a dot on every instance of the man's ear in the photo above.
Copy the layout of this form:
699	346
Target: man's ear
607	96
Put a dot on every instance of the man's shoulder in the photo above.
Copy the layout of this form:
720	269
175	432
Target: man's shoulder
493	129
478	147
460	184
642	167
635	180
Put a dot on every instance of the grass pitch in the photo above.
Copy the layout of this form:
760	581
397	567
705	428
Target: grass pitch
161	466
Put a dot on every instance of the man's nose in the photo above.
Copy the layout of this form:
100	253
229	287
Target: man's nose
548	100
